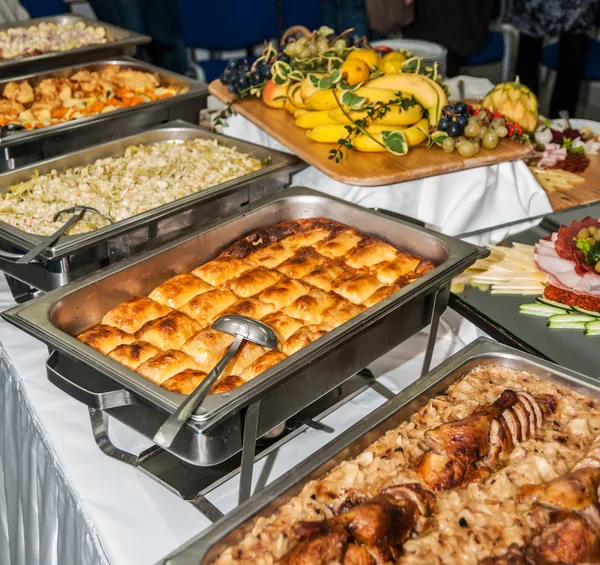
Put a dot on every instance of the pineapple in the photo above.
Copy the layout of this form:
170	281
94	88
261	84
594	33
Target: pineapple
516	102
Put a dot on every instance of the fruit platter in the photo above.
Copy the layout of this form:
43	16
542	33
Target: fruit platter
372	116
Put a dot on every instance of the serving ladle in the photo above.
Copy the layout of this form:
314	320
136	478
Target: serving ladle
243	328
78	212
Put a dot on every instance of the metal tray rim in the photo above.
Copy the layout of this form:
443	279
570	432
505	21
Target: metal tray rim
124	37
69	243
195	87
35	316
481	347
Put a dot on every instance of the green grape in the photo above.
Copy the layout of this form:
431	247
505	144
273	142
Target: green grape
291	49
497	122
502	131
448	145
304	53
472	120
466	148
339	45
322	44
302	41
491	139
473	130
476	147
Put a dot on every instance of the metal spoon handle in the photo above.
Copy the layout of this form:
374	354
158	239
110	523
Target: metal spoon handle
31	255
167	432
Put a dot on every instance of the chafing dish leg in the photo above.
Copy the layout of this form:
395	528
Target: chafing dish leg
248	451
440	301
21	292
100	431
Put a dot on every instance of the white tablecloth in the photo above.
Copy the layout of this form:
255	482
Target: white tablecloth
62	502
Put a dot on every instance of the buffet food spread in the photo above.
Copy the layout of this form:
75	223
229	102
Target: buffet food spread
143	178
303	278
482	474
48	37
84	93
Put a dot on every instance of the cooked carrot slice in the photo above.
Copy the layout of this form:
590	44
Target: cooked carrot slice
59	112
114	102
124	93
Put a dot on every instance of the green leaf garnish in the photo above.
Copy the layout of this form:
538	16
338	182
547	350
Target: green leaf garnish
395	142
348	98
330	80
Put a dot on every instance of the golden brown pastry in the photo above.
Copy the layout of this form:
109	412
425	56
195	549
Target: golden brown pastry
339	245
284	326
164	365
251	307
225	385
246	355
253	281
260	365
105	338
336	316
132	314
221	269
208	306
132	355
178	290
359	288
311	306
303	262
325	274
207	347
272	255
381	294
185	382
304	239
370	252
283	293
389	271
303	337
170	331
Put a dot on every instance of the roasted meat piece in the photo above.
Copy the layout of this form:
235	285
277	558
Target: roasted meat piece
483	439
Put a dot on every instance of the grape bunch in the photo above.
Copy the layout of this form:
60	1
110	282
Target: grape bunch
239	75
469	128
302	48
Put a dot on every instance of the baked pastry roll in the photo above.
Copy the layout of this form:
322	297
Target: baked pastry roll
284	326
272	255
359	288
305	238
206	307
305	261
370	252
311	306
260	365
132	314
253	281
132	355
227	384
168	332
207	347
381	294
390	271
324	274
251	307
105	338
164	365
178	290
283	293
339	245
303	337
221	269
334	317
185	382
246	355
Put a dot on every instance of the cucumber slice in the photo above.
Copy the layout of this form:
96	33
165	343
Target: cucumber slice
592	332
559	318
593	326
540	310
542	300
567	325
588	312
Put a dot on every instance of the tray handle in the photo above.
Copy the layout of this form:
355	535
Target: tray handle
8	256
399	216
73	383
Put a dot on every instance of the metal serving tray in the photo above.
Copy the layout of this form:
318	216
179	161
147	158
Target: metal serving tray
214	432
24	147
230	530
72	257
121	42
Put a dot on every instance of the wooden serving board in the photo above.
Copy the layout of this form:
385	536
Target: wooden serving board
584	193
363	169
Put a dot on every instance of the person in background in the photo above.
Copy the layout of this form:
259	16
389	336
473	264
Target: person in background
156	18
537	20
461	26
344	14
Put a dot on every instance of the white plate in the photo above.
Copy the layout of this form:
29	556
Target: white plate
425	49
579	123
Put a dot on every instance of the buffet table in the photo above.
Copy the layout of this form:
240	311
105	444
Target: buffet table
63	501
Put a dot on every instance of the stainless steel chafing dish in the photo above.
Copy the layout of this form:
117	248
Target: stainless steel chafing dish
214	432
120	42
21	148
72	257
230	530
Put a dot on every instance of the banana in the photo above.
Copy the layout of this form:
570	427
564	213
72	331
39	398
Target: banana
415	135
376	94
331	133
306	86
310	120
322	100
295	97
395	116
427	92
299	111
